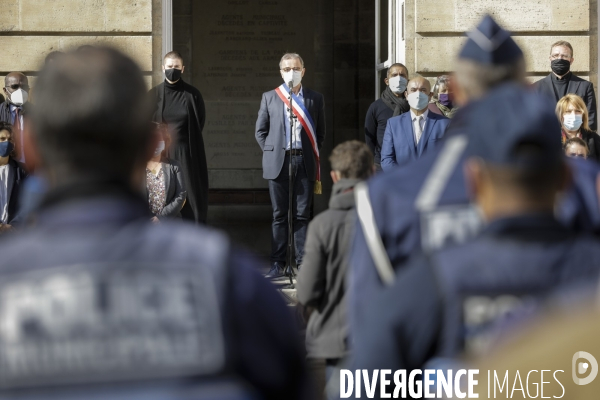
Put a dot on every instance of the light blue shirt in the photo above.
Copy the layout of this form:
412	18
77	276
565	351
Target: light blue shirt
296	140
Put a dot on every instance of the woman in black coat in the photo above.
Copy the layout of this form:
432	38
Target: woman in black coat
573	116
165	185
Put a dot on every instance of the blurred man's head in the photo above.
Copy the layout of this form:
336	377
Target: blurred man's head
92	118
489	58
351	160
516	164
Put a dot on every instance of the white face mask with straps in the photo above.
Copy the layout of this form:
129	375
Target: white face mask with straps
19	97
292	76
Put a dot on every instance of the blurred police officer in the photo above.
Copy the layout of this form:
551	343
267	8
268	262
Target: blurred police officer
96	295
445	302
425	204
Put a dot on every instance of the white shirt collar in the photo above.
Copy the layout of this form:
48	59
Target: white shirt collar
413	115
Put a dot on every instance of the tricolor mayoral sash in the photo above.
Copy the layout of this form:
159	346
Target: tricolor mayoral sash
307	123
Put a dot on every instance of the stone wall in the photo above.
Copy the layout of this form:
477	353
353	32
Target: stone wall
434	31
30	29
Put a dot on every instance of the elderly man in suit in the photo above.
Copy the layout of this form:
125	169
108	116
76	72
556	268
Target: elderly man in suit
273	136
408	136
562	81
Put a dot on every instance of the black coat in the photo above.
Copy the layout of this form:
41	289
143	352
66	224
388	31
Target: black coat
174	189
578	86
375	123
321	281
16	178
593	142
195	168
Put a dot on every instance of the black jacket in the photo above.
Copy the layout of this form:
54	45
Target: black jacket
174	189
593	142
197	197
321	281
16	178
578	86
375	123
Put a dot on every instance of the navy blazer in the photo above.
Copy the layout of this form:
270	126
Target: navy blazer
398	146
270	132
578	86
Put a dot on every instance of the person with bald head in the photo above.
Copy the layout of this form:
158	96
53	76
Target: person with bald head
12	111
408	136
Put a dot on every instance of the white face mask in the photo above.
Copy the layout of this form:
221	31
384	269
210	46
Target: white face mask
159	148
572	121
397	84
19	97
294	76
418	100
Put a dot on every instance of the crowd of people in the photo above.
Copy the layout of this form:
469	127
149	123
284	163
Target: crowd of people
467	210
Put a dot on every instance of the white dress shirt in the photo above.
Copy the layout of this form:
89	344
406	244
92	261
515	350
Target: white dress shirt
4	194
415	124
13	114
296	140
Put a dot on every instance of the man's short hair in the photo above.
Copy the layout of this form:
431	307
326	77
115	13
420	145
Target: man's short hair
92	114
395	65
574	140
571	99
562	43
531	183
291	56
174	55
352	159
476	79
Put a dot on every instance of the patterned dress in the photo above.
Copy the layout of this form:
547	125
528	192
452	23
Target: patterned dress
156	191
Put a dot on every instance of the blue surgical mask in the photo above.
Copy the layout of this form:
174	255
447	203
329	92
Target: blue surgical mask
418	100
397	84
6	148
572	121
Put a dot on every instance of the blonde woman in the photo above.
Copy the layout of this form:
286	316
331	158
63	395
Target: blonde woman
573	116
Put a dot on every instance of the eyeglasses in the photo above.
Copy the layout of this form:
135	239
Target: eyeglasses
297	69
576	155
17	85
561	56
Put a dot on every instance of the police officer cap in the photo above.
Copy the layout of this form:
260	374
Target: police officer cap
514	126
489	43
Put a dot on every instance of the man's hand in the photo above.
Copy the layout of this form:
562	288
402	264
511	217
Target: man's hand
155	220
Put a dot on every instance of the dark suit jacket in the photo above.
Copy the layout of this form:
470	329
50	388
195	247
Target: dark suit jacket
270	132
16	178
174	189
578	86
593	143
398	141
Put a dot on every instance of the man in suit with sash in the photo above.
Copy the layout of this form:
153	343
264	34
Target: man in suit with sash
273	136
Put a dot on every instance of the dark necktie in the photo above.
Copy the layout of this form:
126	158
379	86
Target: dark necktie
18	131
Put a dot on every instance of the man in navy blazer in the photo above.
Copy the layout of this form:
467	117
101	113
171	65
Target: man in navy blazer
273	136
408	136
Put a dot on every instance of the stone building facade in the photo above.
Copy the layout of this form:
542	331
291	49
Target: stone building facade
226	45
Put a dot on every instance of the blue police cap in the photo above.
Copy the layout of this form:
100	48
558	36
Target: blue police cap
489	44
515	126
